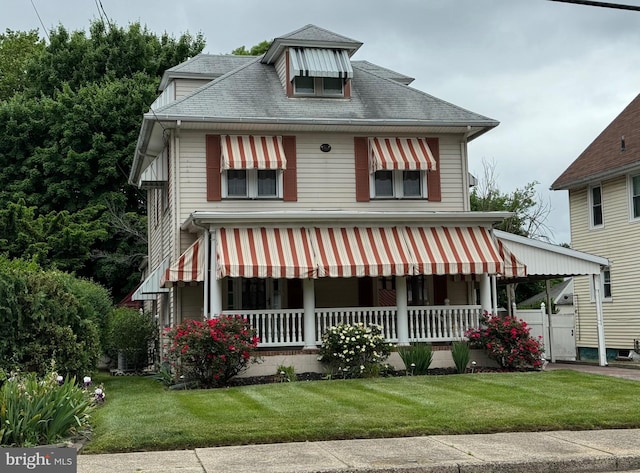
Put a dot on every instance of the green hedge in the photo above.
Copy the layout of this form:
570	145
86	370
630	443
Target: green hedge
49	317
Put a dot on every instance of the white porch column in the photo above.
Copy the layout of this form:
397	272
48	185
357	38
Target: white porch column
402	313
494	294
309	305
215	284
602	349
485	293
207	274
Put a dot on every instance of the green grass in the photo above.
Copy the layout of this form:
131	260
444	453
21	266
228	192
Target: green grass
140	414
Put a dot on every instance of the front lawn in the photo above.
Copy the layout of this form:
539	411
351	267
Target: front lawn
140	414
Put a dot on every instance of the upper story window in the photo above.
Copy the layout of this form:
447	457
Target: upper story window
399	167
252	166
319	72
595	206
634	196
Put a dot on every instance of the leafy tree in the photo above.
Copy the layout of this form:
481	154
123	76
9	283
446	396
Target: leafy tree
67	138
17	50
530	213
256	50
529	219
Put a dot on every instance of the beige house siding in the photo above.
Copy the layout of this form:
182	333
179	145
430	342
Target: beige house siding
325	180
184	87
617	240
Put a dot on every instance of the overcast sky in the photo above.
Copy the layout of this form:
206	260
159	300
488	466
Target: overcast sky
553	74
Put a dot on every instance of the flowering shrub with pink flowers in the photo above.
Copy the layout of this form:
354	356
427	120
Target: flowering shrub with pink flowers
213	351
508	341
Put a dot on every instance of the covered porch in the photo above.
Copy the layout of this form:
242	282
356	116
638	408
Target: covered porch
423	277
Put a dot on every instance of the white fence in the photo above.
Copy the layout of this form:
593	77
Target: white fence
285	328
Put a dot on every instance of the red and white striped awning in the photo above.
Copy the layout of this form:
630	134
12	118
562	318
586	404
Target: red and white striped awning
454	250
357	252
265	253
189	268
401	153
252	152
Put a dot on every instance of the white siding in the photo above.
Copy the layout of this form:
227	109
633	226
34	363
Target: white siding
325	180
186	86
617	240
281	69
168	95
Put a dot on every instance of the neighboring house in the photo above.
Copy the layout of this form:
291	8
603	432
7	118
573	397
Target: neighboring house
302	189
604	203
560	295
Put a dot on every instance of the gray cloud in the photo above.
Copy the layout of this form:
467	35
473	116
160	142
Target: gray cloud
553	74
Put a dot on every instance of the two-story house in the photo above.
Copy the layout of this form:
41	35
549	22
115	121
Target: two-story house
304	188
604	204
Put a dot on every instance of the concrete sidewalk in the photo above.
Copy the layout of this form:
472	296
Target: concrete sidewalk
595	450
549	452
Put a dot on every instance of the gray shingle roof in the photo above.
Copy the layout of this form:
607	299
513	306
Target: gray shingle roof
605	157
205	66
315	33
254	92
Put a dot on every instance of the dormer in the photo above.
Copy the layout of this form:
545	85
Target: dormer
313	62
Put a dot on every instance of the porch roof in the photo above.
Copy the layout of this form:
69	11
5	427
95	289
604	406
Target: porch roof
189	268
545	260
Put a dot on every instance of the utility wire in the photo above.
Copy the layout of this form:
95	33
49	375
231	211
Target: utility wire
591	3
44	29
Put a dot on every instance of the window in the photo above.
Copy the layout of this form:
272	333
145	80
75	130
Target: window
253	183
304	86
634	187
253	293
605	286
318	86
332	86
399	184
595	196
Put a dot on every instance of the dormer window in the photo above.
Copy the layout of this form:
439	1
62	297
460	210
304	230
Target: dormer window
316	72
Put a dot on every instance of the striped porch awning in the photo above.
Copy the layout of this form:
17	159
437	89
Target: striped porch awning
454	250
357	252
265	253
404	154
189	268
316	62
252	152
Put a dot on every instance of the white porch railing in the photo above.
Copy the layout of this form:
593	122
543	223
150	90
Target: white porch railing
276	327
285	327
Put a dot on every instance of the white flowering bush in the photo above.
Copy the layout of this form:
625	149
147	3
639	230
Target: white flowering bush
354	351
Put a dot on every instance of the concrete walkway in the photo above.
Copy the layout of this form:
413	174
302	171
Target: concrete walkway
595	450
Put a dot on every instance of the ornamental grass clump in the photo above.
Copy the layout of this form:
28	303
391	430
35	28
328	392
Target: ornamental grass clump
507	340
354	351
213	351
417	358
40	411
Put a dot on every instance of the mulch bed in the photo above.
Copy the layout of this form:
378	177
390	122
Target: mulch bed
270	379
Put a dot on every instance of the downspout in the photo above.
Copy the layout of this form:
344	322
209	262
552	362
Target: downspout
465	168
602	349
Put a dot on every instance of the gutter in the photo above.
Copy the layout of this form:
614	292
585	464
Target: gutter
333	217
